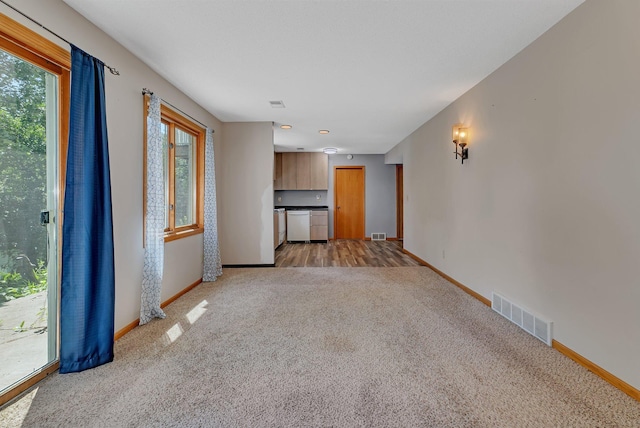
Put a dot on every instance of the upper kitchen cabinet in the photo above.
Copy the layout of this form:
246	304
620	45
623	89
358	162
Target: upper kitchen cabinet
301	171
319	171
289	171
277	171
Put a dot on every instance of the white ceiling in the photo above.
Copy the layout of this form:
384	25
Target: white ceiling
369	71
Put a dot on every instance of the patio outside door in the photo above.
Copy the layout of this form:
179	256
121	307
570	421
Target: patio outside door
28	219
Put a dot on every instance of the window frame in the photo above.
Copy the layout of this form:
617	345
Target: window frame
174	118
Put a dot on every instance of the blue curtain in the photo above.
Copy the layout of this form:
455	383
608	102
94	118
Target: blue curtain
88	281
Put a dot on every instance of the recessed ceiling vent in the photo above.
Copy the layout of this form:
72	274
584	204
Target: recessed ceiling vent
276	104
300	148
523	318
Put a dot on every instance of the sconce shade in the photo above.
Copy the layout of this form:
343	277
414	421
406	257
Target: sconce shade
460	134
461	138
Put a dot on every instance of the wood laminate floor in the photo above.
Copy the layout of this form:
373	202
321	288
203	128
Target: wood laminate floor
344	252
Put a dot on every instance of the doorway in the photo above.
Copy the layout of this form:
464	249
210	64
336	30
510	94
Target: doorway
349	211
33	100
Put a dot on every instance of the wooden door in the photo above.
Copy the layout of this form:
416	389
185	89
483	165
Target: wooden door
349	202
400	202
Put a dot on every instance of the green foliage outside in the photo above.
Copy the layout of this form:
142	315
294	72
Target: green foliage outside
23	242
13	285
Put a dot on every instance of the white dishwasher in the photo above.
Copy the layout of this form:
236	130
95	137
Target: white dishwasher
298	225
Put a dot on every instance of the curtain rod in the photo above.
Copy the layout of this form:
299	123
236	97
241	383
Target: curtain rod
111	69
146	91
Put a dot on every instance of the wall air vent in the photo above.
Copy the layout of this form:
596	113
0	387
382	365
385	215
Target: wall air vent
523	318
276	104
378	236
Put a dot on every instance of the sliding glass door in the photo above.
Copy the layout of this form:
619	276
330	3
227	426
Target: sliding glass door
29	195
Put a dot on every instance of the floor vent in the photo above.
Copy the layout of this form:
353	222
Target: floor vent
527	320
378	236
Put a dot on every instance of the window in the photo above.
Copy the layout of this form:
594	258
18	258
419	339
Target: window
183	143
34	117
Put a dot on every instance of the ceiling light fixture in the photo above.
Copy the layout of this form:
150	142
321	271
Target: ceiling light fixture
324	131
286	126
330	150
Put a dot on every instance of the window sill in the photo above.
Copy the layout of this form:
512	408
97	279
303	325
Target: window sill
172	236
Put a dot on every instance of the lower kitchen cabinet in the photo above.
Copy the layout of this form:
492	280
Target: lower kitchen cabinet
276	230
319	226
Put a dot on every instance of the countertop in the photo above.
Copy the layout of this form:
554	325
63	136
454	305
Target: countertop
303	207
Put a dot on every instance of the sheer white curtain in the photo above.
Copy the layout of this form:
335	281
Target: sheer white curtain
154	219
212	263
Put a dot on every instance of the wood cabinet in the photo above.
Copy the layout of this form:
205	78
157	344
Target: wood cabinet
319	226
277	171
276	230
301	171
319	171
289	171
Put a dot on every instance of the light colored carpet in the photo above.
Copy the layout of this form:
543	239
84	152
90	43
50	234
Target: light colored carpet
297	347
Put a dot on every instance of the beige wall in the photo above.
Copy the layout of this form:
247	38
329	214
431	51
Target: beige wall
183	258
395	155
245	209
546	210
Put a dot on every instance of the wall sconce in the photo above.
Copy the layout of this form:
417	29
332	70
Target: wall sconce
461	138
